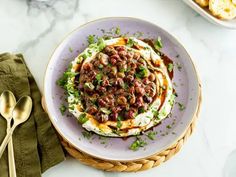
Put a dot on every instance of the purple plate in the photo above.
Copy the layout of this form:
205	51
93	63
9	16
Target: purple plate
185	81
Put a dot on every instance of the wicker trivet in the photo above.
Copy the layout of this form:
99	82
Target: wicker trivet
138	165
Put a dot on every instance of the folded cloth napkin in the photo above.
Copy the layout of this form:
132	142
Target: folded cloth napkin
36	145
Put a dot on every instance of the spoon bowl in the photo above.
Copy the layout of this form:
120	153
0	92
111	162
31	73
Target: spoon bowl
22	110
7	103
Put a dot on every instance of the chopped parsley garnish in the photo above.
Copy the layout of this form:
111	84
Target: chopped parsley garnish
122	70
101	44
84	55
138	34
62	81
99	77
104	140
168	126
87	134
141	110
170	67
105	110
137	144
91	39
117	30
143	72
119	124
155	114
71	107
151	135
158	44
100	66
89	85
130	42
172	99
62	109
181	106
82	118
162	113
125	86
70	49
179	67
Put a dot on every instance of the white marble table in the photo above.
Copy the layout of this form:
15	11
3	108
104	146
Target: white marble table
35	29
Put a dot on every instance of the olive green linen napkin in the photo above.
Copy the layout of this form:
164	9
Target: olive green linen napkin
36	145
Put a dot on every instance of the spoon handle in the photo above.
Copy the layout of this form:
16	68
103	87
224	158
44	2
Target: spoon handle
11	159
5	142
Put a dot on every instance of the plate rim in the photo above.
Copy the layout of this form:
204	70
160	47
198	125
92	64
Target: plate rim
195	112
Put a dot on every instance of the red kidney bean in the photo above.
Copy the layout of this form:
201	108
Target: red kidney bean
131	113
136	55
92	110
101	102
114	116
131	90
132	100
147	99
105	82
130	55
102	89
139	101
110	50
116	109
122	53
114	70
140	90
120	48
113	61
104	117
88	66
146	81
152	77
130	78
103	58
121	100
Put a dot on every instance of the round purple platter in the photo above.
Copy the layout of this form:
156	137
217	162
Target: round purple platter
186	84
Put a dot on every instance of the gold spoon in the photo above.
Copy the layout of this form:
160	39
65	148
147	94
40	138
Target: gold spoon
7	104
20	114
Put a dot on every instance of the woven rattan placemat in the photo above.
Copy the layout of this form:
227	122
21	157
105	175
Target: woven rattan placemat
138	165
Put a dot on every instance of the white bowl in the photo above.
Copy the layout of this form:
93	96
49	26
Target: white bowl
207	14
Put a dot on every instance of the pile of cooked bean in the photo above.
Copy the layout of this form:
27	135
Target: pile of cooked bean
116	84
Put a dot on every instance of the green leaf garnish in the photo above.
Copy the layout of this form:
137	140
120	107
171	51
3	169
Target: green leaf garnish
82	118
62	109
119	124
130	42
99	77
91	39
101	44
181	106
89	85
158	44
117	31
70	49
142	73
105	110
87	134
151	135
137	144
170	67
172	99
179	67
168	126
